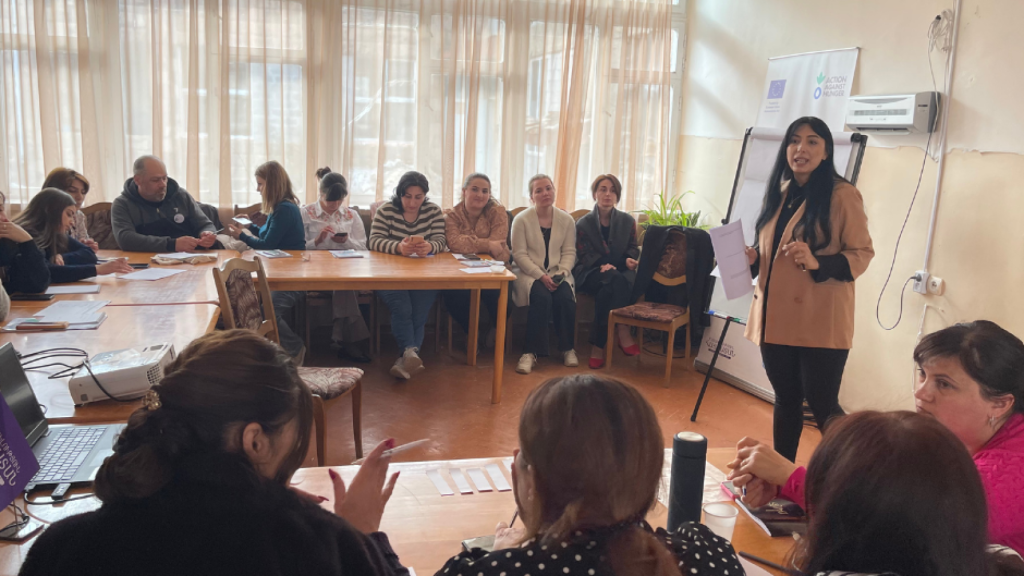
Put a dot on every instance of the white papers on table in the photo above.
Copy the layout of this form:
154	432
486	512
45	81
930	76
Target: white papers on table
439	483
730	251
273	253
74	289
345	254
460	481
478	478
497	477
178	256
151	274
476	270
79	314
752	569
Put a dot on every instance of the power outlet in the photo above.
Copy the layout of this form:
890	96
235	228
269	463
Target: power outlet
936	286
921	282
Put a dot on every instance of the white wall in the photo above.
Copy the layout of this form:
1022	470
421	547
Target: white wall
979	243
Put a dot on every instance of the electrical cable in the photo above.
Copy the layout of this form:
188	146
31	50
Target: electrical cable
52	502
49	353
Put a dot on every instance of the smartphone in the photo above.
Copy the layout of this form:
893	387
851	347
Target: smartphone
558	278
342	237
470	257
31	296
242	221
483	542
141	266
416	239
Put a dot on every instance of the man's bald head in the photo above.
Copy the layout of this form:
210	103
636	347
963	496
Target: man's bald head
150	177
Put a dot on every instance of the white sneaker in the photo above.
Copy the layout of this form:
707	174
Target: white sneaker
412	362
569	359
399	371
526	363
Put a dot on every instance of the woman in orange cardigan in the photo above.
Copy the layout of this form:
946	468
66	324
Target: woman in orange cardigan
812	243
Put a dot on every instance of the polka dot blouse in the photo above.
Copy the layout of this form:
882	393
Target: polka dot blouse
696	548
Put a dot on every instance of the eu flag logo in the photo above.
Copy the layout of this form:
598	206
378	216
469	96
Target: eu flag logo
776	88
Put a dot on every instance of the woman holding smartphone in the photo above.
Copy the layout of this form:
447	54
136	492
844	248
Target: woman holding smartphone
331	226
812	243
543	253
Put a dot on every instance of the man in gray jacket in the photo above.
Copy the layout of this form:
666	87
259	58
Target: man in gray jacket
154	214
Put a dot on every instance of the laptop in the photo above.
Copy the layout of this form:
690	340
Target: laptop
67	454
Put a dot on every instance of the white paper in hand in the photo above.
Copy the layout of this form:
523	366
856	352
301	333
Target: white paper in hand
730	252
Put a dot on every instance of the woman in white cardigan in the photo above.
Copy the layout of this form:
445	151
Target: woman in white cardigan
543	254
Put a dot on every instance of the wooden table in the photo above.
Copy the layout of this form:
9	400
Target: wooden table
125	327
193	285
319	270
425	528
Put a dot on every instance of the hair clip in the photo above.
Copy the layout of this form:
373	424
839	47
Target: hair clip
151	401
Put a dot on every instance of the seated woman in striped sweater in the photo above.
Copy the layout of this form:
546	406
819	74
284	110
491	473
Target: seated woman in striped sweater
408	226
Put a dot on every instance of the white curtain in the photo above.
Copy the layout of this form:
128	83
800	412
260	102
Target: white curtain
571	88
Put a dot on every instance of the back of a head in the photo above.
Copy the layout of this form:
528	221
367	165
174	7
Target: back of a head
992	356
596	451
333	185
894	492
221	381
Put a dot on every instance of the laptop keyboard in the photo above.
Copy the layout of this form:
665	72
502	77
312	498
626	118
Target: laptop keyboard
66	453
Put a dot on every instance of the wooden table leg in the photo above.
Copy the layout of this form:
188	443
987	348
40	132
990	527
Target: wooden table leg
474	326
499	344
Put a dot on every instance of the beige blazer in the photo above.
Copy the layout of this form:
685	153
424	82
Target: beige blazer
528	251
802	312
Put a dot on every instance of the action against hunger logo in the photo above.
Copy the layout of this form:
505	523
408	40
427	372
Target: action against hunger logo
833	86
776	89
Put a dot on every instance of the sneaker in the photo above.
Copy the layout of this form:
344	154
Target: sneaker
399	371
412	362
526	363
570	359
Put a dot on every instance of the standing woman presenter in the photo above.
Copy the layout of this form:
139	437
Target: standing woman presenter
812	243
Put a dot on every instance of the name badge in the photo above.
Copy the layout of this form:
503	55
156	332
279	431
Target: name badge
179	218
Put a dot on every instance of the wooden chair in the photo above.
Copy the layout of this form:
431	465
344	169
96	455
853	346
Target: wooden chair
248	306
515	212
577	214
664	317
97	222
247	209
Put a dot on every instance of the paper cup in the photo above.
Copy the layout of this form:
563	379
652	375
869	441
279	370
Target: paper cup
721	518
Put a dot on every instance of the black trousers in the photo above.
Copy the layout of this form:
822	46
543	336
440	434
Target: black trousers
796	373
457	303
559	306
610	291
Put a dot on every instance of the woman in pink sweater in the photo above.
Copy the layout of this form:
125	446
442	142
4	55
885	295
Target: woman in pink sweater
971	379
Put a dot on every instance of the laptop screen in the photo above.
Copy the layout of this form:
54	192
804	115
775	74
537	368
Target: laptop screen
19	395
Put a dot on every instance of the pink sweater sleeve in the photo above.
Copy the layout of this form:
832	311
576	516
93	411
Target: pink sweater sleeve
1002	475
794	488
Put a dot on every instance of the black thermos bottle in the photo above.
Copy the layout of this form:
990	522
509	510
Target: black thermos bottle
686	488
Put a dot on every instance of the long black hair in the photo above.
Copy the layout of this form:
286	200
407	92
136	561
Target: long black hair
815	227
43	219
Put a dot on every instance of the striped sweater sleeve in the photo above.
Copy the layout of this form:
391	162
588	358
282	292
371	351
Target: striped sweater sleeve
433	221
381	237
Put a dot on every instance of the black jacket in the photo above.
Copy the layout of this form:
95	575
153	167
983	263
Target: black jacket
79	263
24	267
700	261
592	251
220	518
143	226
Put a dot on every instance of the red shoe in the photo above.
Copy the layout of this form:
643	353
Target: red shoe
596	363
631	351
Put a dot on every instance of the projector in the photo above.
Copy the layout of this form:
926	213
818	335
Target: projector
124	374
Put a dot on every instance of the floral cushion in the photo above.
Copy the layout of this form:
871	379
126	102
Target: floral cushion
673	259
330	383
245	302
651	312
100	229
